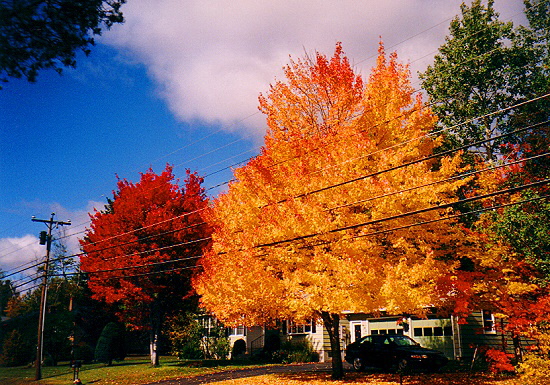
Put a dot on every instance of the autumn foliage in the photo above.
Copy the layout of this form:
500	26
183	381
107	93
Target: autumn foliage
141	250
320	222
512	275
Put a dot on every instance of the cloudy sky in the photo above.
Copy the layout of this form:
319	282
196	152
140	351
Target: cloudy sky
178	83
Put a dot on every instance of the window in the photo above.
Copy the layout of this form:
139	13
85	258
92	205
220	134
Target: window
308	327
387	331
488	322
436	331
237	331
209	325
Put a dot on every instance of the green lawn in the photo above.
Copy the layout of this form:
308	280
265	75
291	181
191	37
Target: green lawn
133	370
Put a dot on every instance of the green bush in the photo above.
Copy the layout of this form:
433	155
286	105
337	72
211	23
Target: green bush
185	337
110	345
535	369
84	353
16	351
219	347
295	351
190	340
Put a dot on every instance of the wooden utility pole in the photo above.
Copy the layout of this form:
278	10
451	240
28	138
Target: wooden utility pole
45	239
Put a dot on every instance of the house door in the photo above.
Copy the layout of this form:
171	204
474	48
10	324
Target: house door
357	329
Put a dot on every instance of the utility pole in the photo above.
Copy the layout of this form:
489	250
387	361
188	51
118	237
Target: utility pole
45	239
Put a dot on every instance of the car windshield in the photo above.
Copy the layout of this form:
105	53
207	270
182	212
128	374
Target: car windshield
400	341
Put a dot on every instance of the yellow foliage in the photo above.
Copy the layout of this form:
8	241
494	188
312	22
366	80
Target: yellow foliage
521	288
315	222
535	369
319	378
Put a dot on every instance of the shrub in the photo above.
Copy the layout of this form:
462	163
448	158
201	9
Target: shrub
190	340
535	369
110	345
16	351
296	351
218	347
499	361
185	337
84	352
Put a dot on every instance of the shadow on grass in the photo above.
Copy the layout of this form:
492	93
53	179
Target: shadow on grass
176	363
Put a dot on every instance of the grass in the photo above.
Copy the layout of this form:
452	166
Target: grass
132	371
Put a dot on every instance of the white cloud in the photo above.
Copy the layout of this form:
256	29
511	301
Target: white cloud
212	58
19	251
22	253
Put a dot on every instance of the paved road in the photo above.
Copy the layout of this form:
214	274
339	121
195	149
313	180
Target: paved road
243	373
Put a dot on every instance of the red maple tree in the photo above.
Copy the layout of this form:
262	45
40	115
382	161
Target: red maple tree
140	252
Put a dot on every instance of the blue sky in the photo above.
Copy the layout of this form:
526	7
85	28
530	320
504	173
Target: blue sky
178	83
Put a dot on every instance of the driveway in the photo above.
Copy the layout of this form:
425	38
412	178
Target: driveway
243	373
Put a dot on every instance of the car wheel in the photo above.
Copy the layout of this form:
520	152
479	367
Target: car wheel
358	364
402	365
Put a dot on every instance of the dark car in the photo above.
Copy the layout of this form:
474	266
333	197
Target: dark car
393	352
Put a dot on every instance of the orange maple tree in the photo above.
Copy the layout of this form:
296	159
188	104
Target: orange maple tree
141	250
305	232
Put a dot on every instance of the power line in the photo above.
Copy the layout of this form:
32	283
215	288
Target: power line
154	235
416	161
454	216
153	264
456	177
202	223
399	216
400	166
510	190
403	215
478	56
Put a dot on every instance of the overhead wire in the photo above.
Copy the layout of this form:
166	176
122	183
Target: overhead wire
500	192
530	127
251	115
419	211
378	232
434	156
456	177
205	189
439	154
410	163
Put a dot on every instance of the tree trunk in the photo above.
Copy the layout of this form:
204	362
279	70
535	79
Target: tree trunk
156	322
332	324
517	349
153	347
